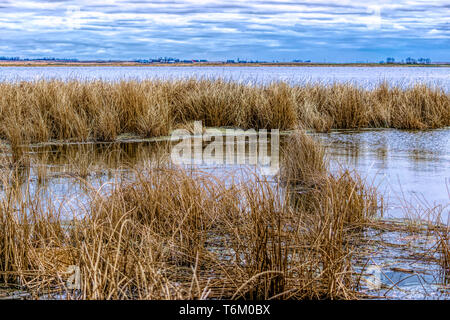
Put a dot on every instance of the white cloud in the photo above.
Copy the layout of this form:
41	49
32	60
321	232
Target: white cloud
86	24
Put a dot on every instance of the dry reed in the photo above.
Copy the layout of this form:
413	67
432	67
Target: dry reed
167	233
43	110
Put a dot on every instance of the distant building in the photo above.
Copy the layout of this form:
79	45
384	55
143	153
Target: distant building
424	60
410	60
10	58
390	60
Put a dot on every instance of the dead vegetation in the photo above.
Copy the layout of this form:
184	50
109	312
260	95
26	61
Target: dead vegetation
168	233
174	234
75	110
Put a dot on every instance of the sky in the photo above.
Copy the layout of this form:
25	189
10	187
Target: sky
320	31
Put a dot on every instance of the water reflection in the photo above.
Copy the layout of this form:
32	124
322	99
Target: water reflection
408	167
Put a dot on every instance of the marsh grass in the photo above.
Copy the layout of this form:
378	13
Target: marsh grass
42	111
169	233
425	227
443	249
308	179
164	232
305	164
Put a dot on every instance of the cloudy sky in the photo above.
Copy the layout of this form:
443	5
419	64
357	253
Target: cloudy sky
283	30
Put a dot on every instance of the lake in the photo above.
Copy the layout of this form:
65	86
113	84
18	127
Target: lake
364	76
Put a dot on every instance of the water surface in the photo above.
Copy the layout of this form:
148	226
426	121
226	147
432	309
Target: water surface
364	76
410	168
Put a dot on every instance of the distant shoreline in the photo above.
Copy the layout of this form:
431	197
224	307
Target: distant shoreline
38	63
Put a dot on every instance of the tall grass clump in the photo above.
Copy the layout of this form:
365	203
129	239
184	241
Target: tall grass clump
305	172
31	239
304	163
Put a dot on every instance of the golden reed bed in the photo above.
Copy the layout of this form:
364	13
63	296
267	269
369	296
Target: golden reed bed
174	234
168	233
98	110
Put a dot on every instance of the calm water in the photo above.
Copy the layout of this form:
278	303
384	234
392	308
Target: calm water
364	76
411	168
